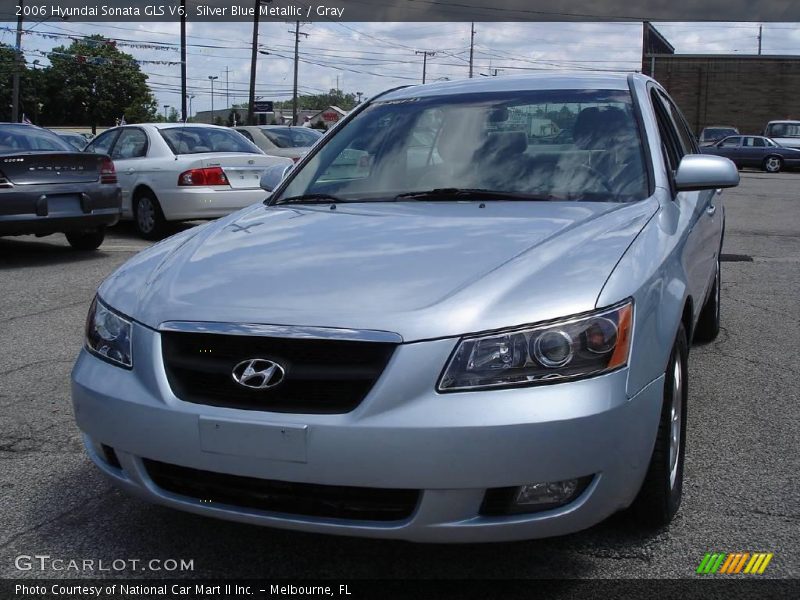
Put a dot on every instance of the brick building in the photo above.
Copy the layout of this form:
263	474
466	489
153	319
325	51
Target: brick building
745	91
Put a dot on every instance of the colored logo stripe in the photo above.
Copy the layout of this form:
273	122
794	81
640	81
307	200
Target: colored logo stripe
737	562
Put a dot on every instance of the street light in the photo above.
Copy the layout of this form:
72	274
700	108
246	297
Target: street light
190	105
166	106
212	78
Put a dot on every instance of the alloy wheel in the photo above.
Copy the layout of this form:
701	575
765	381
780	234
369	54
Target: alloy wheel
675	415
145	214
773	164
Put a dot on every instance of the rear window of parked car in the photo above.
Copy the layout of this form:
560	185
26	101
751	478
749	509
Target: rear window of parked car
290	137
26	138
196	140
717	133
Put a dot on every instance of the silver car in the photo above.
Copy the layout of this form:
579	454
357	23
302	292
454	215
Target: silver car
279	140
490	344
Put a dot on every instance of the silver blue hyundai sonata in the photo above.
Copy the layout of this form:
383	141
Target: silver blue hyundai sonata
465	315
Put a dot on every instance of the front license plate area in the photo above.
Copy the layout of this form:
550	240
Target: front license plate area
256	440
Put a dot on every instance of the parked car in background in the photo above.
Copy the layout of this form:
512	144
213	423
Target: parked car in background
76	140
280	140
46	187
785	133
755	151
177	172
499	354
714	133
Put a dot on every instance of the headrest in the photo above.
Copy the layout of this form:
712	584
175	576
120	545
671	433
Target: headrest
505	143
595	126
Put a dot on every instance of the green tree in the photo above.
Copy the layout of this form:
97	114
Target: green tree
91	82
334	97
31	86
174	117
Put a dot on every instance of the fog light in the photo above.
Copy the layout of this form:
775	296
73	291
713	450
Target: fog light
532	497
555	492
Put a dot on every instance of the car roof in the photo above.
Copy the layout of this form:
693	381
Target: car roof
174	125
783	121
537	81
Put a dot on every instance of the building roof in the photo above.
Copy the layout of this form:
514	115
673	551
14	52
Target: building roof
732	56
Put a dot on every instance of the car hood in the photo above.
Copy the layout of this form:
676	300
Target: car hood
419	269
789	142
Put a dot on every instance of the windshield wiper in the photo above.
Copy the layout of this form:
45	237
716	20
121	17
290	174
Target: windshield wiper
311	199
469	193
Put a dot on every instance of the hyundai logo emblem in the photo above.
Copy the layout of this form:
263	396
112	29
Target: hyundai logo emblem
258	373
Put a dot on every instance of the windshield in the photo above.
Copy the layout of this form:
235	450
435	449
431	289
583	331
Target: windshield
552	144
195	140
783	130
26	138
291	137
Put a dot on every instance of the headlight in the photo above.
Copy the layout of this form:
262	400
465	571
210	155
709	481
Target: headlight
564	350
108	335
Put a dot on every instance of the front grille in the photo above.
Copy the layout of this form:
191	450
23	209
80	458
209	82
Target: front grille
321	375
307	499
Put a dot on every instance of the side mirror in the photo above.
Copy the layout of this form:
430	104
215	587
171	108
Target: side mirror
273	176
705	172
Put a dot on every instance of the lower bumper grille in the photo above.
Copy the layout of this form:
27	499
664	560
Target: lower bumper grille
306	499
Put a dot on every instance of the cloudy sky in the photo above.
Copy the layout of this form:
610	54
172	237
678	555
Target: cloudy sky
371	57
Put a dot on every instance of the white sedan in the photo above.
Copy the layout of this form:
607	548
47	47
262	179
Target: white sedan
178	172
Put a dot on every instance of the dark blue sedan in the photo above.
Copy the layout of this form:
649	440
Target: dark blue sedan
755	151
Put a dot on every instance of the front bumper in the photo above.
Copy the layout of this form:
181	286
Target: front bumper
451	447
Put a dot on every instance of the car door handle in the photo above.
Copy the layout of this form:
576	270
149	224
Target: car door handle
711	209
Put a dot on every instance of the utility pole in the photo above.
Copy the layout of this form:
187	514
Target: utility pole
297	34
227	89
471	48
253	62
184	115
166	106
212	78
425	55
17	69
760	31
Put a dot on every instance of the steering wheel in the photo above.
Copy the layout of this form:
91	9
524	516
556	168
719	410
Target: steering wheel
598	177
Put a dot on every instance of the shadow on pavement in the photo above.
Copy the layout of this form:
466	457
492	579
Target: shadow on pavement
34	252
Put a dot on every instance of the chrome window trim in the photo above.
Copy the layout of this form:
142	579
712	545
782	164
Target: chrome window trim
282	331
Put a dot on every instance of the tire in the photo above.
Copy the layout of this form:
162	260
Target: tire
707	327
660	495
86	240
148	216
773	164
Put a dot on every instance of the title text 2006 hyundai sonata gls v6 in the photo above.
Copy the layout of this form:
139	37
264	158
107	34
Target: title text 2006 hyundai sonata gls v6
470	333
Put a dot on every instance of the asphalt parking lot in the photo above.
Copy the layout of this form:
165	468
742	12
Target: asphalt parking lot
742	489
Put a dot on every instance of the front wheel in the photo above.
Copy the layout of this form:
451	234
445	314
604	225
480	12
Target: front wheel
86	240
773	164
660	495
